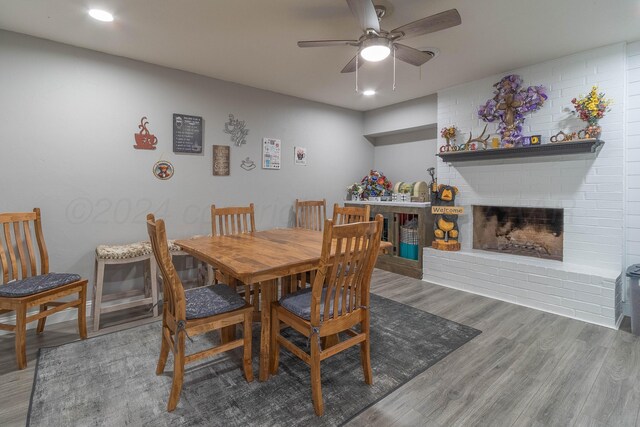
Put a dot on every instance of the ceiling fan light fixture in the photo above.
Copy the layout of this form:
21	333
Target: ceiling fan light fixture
101	15
376	49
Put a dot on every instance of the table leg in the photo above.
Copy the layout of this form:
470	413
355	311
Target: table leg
266	289
330	341
228	334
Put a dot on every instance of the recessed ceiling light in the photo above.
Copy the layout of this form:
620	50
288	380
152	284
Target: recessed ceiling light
101	15
369	92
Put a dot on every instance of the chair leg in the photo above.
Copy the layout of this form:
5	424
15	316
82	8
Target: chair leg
178	373
246	355
41	322
211	276
274	359
365	352
21	336
164	353
82	314
153	271
98	295
316	386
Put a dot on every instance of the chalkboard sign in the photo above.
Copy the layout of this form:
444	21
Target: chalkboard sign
187	134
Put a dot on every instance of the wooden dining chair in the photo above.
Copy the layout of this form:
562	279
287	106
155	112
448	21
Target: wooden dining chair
27	282
232	220
311	214
337	301
195	311
229	221
349	214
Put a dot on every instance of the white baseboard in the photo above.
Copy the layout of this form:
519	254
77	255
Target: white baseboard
545	309
70	313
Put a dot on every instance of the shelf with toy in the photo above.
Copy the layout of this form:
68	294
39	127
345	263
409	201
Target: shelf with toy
575	146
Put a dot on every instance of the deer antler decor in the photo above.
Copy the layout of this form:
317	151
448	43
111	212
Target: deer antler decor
479	139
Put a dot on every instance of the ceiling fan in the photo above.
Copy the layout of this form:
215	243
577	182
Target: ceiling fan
376	44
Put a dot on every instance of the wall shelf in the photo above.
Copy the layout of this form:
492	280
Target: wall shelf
550	149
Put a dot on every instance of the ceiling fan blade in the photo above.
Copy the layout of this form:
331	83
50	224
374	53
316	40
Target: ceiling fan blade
351	66
322	43
365	14
410	55
430	24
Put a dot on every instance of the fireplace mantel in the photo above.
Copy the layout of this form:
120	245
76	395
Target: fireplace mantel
551	149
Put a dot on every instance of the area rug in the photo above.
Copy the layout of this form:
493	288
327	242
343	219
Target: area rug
110	380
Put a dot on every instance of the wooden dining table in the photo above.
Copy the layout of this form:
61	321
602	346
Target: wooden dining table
261	257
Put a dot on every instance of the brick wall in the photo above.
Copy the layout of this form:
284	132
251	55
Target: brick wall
633	154
589	188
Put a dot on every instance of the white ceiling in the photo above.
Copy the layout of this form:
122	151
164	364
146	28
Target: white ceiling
253	42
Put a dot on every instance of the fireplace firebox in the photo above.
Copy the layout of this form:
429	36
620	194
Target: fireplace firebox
535	232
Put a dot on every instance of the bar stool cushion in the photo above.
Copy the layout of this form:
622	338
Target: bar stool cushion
299	303
173	247
211	300
131	250
36	284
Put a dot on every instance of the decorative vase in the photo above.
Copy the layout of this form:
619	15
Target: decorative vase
593	131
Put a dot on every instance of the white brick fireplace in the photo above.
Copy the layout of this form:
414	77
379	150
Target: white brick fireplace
589	188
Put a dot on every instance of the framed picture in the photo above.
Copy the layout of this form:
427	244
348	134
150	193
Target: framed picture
271	153
221	160
187	134
300	156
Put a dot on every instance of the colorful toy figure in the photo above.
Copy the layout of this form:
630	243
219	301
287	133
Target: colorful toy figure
445	226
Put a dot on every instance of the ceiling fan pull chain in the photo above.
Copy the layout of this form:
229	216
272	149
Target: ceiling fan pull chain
358	54
394	68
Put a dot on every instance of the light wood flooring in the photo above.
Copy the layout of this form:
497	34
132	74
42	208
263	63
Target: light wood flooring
527	368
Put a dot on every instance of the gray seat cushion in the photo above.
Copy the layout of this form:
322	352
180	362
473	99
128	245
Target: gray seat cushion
36	284
211	300
299	303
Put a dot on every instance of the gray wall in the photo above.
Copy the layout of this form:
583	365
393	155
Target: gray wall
404	136
404	115
67	120
407	161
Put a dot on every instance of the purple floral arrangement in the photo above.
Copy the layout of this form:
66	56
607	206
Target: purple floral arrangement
509	104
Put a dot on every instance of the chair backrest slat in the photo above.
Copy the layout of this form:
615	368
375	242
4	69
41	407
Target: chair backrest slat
173	290
5	264
20	248
30	251
311	214
232	220
350	214
349	254
17	252
12	256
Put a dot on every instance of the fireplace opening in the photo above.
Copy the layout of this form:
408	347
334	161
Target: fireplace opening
535	232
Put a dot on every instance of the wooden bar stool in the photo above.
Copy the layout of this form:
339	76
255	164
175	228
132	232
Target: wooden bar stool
119	255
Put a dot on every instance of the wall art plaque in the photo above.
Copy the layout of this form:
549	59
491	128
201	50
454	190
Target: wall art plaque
145	140
271	153
187	134
163	170
221	160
